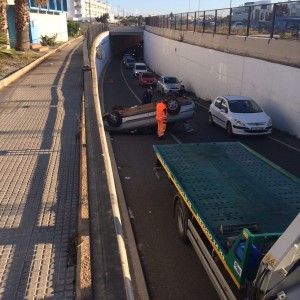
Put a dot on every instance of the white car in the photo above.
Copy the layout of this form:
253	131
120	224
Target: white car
239	115
237	25
138	69
166	84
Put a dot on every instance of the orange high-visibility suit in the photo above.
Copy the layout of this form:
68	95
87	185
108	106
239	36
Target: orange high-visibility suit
161	117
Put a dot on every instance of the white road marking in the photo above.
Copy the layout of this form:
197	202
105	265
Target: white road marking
285	144
138	99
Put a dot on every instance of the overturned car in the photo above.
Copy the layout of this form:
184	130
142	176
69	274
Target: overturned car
143	116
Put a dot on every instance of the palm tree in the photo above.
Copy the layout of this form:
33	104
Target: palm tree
22	23
3	27
3	17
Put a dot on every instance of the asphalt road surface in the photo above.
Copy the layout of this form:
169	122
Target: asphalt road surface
172	269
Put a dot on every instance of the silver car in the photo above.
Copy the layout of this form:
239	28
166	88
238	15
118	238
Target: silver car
143	116
166	84
239	115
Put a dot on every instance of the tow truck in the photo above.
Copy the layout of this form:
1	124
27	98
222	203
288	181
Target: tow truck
240	212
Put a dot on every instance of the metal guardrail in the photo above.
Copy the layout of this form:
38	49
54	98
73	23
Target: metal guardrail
277	20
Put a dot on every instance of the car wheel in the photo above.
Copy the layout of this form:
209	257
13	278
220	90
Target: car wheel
114	119
182	215
210	119
229	129
173	105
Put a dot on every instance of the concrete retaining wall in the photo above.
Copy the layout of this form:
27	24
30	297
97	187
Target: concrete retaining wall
209	73
104	52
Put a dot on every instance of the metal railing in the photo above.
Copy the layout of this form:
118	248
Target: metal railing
277	20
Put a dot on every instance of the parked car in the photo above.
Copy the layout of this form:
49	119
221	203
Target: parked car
147	79
139	68
166	84
129	62
239	115
237	25
143	116
124	58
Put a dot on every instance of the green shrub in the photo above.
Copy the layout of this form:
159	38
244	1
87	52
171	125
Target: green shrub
48	40
73	28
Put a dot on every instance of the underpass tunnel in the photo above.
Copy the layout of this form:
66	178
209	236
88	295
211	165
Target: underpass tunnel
127	43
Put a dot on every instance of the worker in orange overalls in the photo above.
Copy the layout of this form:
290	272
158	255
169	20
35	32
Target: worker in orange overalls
161	117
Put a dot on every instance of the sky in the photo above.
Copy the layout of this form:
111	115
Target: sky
164	7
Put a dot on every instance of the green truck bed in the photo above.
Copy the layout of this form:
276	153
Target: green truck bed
235	194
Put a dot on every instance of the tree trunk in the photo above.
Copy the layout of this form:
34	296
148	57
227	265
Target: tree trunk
22	25
4	43
3	16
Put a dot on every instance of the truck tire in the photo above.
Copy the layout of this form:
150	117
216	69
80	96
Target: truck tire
173	104
182	215
114	119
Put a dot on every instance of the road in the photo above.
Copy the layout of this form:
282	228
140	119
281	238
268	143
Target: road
172	269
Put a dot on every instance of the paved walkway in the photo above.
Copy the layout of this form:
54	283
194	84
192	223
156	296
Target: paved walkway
39	178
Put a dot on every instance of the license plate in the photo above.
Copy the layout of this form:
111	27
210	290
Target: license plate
257	128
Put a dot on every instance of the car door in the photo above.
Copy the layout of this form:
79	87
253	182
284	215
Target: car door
223	113
215	110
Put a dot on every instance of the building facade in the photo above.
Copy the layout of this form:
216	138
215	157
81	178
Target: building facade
50	20
86	10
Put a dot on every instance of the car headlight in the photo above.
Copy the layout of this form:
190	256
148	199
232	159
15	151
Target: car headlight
270	122
239	123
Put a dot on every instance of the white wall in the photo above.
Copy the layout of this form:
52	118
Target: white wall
51	24
104	49
209	73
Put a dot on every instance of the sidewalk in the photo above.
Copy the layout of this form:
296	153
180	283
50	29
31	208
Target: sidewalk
39	178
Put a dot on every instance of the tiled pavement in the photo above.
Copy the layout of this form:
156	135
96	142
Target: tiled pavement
39	178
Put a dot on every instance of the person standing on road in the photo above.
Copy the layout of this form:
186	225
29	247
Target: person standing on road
147	96
161	117
182	91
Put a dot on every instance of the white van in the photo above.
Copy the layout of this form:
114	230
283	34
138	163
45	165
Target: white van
139	68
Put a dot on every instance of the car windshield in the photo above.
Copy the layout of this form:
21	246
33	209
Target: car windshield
148	75
130	60
244	106
139	67
171	80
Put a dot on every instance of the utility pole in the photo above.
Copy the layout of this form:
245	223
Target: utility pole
90	11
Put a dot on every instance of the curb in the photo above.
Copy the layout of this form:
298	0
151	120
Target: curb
19	73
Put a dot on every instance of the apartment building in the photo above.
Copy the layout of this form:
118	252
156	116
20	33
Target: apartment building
86	10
